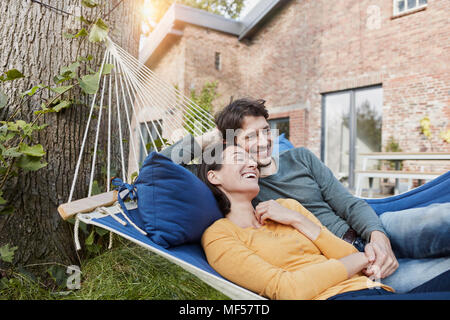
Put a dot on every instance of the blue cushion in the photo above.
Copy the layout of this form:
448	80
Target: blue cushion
281	144
174	205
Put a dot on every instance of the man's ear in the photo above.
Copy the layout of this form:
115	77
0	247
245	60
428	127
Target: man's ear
213	178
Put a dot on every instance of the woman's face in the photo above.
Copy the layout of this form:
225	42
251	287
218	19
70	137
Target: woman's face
239	173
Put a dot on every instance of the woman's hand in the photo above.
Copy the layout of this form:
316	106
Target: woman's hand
383	260
276	212
355	263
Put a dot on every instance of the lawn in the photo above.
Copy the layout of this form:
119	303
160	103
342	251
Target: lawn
122	273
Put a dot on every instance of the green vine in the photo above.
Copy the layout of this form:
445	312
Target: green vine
19	152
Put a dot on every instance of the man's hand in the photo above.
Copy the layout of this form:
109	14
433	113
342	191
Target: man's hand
380	255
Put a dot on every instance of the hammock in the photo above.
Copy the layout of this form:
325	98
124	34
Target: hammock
135	88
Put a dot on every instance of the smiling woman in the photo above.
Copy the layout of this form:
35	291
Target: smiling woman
244	247
229	167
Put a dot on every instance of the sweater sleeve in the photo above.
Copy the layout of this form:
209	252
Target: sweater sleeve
231	258
331	246
358	214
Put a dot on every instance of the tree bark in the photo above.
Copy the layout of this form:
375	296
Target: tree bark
31	40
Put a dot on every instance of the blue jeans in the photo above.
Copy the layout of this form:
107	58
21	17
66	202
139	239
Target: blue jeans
420	239
437	288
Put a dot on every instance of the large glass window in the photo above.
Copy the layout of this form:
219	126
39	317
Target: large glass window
352	122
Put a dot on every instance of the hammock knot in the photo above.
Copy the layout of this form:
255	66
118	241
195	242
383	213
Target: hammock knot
121	186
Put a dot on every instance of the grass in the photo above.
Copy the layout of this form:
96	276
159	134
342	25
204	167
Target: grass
122	273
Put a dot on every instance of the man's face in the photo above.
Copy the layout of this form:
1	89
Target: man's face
255	137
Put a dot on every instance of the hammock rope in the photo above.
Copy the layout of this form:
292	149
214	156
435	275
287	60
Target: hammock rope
140	97
138	92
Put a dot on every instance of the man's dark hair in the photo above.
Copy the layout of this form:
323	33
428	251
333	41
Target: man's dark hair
232	115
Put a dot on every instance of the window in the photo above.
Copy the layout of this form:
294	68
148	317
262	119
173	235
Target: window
217	62
156	131
404	6
282	124
351	125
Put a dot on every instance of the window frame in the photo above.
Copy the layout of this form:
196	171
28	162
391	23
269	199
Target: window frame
280	119
396	13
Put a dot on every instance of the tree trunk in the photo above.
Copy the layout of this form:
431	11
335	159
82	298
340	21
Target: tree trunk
31	40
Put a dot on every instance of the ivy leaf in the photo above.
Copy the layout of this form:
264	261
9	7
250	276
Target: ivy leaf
84	20
61	105
85	59
7	253
30	163
89	3
107	68
12	152
11	75
90	240
82	33
89	83
61	89
34	151
3	99
32	91
72	68
99	31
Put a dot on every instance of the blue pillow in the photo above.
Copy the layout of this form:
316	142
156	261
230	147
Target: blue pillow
281	144
174	205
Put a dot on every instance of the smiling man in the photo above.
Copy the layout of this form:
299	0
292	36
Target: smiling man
298	174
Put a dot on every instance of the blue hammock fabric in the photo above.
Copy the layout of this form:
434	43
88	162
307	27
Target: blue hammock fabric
435	191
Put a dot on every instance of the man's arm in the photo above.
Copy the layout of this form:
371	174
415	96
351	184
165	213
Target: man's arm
355	211
185	150
359	215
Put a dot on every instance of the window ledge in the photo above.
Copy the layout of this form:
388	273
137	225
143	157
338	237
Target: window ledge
407	13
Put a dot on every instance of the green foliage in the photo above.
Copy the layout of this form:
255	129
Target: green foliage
10	75
99	31
194	118
18	151
7	253
89	3
228	8
393	146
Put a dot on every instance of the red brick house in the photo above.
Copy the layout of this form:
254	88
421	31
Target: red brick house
341	77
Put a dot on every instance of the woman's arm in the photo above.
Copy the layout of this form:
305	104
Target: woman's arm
355	263
231	258
286	211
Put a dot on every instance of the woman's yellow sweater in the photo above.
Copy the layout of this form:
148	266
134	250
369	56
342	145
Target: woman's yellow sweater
279	262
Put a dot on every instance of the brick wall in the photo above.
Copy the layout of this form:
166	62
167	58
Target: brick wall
313	47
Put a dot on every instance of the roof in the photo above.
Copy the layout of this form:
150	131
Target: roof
177	13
